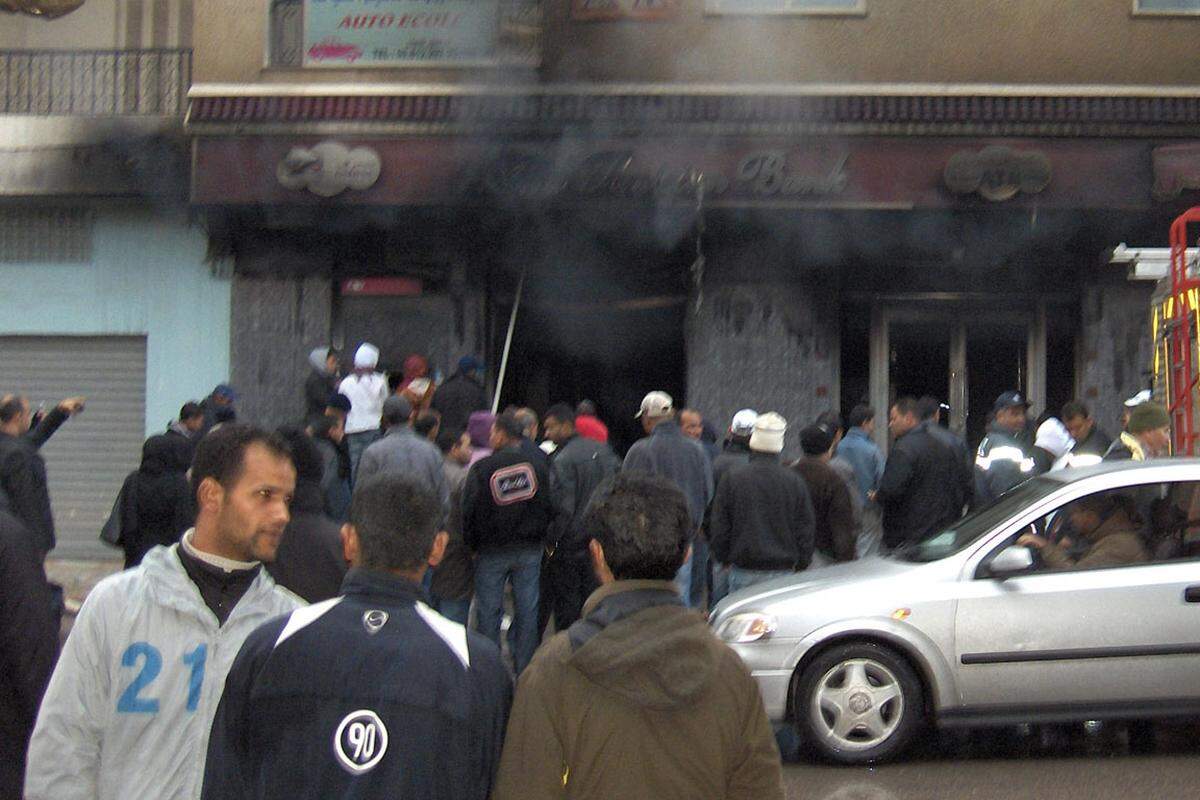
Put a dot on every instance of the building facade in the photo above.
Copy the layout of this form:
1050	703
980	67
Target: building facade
109	289
781	204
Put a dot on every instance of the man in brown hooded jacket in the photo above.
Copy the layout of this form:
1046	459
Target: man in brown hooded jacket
1104	521
638	698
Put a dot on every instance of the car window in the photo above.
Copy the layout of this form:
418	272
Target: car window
961	534
1143	524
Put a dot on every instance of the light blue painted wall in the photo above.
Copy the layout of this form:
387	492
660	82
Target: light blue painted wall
147	276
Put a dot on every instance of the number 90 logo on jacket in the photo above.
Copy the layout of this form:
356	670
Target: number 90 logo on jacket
360	741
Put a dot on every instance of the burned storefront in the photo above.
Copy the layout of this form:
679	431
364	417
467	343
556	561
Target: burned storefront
791	250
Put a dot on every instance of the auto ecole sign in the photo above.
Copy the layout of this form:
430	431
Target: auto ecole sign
348	33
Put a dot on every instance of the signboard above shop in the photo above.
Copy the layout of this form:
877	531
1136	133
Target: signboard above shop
786	7
645	10
385	33
784	172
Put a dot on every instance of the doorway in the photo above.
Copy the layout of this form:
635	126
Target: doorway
611	353
964	354
997	354
918	354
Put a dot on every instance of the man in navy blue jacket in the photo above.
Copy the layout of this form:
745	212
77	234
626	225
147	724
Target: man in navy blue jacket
371	694
507	509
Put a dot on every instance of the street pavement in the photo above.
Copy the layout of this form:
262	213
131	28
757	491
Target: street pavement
1008	763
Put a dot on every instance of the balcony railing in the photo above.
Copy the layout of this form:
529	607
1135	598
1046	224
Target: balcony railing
95	82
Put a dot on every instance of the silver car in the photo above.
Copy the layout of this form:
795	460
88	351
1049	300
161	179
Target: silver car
970	628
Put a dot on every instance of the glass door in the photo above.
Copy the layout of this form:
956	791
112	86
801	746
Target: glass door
996	362
963	354
919	351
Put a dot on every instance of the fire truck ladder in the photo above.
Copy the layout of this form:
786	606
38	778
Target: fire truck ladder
1176	336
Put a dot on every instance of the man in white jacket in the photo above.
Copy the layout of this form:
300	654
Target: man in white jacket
367	390
129	707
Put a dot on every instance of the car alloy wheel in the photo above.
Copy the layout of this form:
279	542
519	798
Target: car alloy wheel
858	703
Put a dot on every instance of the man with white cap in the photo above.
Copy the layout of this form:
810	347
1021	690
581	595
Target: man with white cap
668	453
762	522
367	390
1144	396
737	446
1052	446
736	453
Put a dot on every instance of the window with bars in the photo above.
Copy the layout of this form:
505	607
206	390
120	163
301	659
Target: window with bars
46	235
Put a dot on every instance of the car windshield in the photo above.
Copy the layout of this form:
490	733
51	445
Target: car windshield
951	540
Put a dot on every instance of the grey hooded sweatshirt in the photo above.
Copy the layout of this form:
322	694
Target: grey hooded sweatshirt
320	385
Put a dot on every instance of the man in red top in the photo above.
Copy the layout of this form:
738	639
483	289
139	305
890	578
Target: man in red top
588	425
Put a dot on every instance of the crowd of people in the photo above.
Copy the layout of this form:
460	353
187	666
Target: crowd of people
347	579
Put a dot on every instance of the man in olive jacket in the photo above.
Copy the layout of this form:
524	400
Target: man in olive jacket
638	698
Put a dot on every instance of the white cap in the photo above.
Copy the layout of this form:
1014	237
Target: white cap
1141	397
743	422
654	405
1054	438
769	430
366	357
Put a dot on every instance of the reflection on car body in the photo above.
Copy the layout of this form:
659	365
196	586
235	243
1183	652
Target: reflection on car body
969	628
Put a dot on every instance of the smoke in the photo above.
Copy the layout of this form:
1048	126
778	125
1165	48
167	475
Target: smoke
569	198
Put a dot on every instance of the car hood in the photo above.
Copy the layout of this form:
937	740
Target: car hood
849	576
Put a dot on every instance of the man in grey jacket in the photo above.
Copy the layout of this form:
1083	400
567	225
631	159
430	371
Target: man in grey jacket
403	452
668	453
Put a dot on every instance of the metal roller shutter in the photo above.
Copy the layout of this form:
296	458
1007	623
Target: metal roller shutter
91	454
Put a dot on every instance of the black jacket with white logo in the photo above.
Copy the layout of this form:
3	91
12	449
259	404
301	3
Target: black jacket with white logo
507	501
368	695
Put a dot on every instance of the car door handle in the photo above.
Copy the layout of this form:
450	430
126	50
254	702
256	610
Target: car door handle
1191	594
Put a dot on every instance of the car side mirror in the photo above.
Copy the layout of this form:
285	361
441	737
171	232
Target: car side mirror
1012	560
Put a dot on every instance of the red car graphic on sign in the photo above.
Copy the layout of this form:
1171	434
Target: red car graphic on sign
333	50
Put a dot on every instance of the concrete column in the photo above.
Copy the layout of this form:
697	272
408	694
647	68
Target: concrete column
275	323
770	347
1114	348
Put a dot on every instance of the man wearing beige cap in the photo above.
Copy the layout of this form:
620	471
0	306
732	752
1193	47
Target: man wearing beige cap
762	522
668	453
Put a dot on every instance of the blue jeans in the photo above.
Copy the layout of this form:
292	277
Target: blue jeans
700	580
720	583
493	569
743	578
356	443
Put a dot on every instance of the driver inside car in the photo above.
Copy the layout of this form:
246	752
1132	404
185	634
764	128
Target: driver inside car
1104	522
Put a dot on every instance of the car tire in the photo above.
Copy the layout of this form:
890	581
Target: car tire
858	703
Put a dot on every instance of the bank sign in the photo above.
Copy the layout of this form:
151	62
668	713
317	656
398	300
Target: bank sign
378	33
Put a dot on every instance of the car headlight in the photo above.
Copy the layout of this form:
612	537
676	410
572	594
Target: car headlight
743	628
